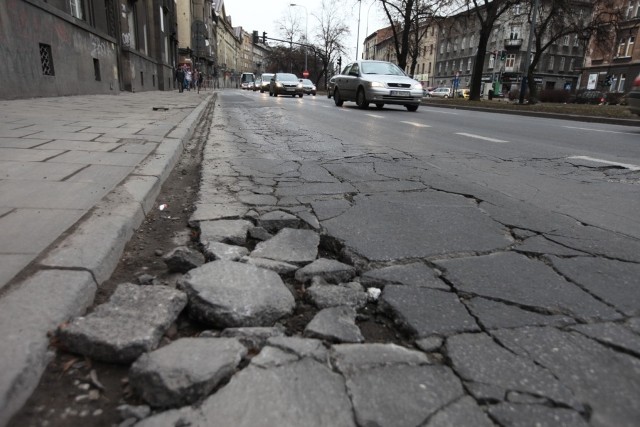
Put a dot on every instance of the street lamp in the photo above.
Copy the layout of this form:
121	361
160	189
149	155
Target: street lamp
358	36
367	30
306	33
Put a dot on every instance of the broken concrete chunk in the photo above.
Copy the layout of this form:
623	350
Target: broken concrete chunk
254	338
183	259
225	231
129	324
277	220
291	246
185	371
282	268
335	324
329	269
222	251
231	294
415	274
325	296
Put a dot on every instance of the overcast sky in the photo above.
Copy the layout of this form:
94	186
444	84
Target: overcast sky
264	15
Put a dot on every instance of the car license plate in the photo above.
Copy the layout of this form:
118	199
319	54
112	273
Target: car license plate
289	89
400	93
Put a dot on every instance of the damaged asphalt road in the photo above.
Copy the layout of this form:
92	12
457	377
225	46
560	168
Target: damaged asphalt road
515	279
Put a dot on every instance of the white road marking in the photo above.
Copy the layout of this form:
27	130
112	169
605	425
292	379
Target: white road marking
470	135
607	162
418	125
599	130
375	116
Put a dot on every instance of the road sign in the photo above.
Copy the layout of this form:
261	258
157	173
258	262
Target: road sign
305	74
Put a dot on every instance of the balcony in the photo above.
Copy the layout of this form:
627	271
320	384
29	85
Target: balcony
512	44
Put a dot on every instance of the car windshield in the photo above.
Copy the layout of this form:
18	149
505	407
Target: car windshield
287	77
381	68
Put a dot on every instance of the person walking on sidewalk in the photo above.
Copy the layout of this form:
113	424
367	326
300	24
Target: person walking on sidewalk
187	79
180	79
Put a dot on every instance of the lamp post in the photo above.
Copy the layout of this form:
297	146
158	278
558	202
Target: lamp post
367	29
306	33
358	36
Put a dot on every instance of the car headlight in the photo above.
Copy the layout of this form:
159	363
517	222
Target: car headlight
376	84
299	85
278	84
313	87
417	86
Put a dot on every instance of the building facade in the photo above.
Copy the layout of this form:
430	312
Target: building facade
613	67
76	47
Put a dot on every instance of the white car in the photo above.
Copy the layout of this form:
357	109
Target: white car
441	92
376	82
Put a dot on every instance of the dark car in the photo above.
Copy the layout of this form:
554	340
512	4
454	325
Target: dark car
376	82
331	86
633	97
265	81
285	84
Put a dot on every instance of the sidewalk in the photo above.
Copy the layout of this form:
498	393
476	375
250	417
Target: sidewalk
79	175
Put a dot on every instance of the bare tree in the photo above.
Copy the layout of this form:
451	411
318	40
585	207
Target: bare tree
562	19
486	14
331	32
409	21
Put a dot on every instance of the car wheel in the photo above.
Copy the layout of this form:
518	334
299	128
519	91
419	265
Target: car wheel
261	91
328	94
411	107
314	94
361	100
379	106
336	97
446	96
299	95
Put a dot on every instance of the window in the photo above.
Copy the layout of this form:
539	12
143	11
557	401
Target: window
492	60
630	43
623	78
516	9
455	44
439	67
469	64
565	40
510	62
572	64
621	46
562	63
96	69
630	10
441	48
46	60
515	33
551	63
448	46
464	43
75	7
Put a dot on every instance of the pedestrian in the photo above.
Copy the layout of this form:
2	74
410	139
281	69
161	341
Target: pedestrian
200	80
180	79
187	79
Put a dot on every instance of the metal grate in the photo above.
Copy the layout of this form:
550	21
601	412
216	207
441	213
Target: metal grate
46	59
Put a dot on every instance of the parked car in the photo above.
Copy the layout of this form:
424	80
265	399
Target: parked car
463	93
377	82
441	92
308	87
266	81
633	98
285	84
257	84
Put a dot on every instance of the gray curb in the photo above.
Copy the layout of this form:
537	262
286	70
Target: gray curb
70	273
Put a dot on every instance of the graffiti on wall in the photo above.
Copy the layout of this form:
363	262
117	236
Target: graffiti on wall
99	47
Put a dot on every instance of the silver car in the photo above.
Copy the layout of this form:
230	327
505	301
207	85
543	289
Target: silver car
377	82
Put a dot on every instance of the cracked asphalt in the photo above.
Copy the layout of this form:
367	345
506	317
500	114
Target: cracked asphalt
535	258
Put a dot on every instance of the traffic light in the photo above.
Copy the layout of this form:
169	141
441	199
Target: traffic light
503	55
256	37
264	37
339	63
